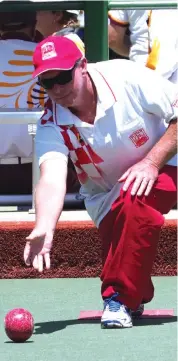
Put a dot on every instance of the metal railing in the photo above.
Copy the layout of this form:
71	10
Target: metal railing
96	17
141	4
24	5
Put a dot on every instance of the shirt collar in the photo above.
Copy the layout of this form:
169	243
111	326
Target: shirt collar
105	100
106	96
65	31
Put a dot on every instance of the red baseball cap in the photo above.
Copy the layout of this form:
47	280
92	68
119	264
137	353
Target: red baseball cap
55	53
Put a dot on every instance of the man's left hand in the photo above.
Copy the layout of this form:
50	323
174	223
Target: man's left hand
143	176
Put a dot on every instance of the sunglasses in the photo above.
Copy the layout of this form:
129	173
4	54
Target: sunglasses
64	77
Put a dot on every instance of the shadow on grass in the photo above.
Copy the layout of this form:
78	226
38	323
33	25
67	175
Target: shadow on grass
18	342
54	326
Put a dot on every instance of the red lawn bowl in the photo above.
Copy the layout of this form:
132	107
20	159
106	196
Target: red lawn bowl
19	325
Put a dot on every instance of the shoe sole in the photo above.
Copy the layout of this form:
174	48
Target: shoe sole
115	325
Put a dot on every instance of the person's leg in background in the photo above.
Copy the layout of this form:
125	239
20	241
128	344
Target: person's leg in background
130	234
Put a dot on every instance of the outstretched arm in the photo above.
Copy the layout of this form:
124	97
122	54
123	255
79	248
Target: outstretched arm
49	200
50	193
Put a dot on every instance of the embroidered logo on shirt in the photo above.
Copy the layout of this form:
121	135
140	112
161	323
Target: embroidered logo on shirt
139	137
48	51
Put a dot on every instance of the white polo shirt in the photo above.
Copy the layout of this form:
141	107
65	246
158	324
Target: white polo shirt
136	21
132	105
154	38
163	32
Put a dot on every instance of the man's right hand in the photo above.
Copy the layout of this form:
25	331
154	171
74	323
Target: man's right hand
37	249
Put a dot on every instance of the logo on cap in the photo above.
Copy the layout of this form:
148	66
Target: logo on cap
48	51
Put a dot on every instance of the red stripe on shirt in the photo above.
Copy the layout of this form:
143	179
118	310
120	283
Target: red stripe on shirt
107	85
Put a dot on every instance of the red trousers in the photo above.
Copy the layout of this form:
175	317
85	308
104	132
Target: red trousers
130	234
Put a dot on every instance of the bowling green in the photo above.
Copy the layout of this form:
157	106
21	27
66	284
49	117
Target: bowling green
60	336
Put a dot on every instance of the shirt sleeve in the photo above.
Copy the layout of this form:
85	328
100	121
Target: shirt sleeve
138	18
119	17
49	143
155	94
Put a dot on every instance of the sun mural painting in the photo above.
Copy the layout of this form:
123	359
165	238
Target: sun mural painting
17	88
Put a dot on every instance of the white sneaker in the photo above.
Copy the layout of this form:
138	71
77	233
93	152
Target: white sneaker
115	314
